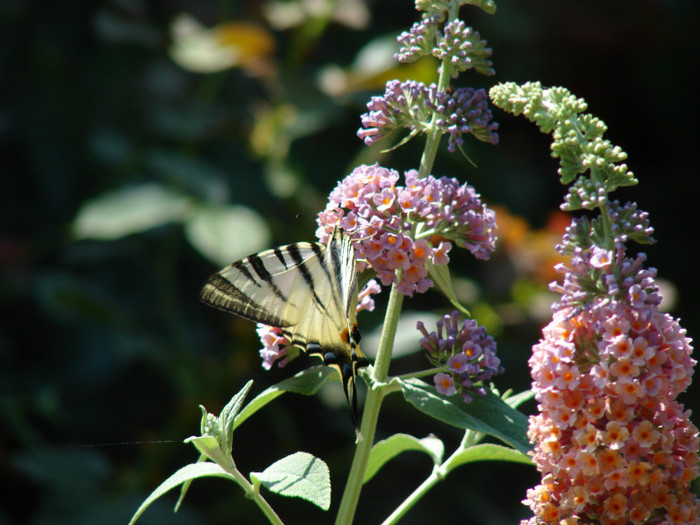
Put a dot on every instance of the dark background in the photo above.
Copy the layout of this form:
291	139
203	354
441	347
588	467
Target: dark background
105	351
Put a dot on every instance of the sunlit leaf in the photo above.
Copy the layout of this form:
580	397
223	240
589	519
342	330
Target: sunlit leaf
299	475
129	210
307	382
488	452
186	473
440	274
489	414
385	450
224	234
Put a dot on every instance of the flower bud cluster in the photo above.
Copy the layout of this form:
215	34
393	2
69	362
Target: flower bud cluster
464	49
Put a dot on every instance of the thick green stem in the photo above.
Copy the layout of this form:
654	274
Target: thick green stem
380	371
370	415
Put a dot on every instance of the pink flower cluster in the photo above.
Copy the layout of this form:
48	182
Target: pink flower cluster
611	441
398	229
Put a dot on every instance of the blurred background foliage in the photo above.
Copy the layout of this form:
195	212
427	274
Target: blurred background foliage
145	144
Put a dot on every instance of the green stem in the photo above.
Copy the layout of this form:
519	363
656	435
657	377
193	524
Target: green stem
438	474
433	136
253	493
415	496
370	415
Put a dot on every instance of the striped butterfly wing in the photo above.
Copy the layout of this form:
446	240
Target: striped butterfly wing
309	290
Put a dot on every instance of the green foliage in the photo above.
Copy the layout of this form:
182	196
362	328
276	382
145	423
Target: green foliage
489	415
299	475
577	140
385	450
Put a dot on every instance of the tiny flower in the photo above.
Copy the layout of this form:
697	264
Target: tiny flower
444	383
601	258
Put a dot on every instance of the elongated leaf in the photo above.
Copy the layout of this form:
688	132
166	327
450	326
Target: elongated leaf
223	234
209	447
230	411
488	452
186	473
489	414
518	399
440	274
129	210
299	475
307	382
387	449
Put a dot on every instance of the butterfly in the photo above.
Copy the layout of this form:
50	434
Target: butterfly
308	290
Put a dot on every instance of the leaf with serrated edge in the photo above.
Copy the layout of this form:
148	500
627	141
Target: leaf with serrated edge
299	475
186	473
307	382
385	450
489	414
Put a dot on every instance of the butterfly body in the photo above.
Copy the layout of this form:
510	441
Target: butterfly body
309	291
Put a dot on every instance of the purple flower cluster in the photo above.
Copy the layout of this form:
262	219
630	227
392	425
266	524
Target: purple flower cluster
398	229
466	110
465	351
412	104
595	272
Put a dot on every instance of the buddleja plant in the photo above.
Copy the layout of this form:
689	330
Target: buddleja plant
612	443
610	440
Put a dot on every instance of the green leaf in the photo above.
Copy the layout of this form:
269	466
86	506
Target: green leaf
489	414
440	274
229	412
129	210
224	234
307	382
208	446
186	473
299	475
385	450
518	399
487	452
